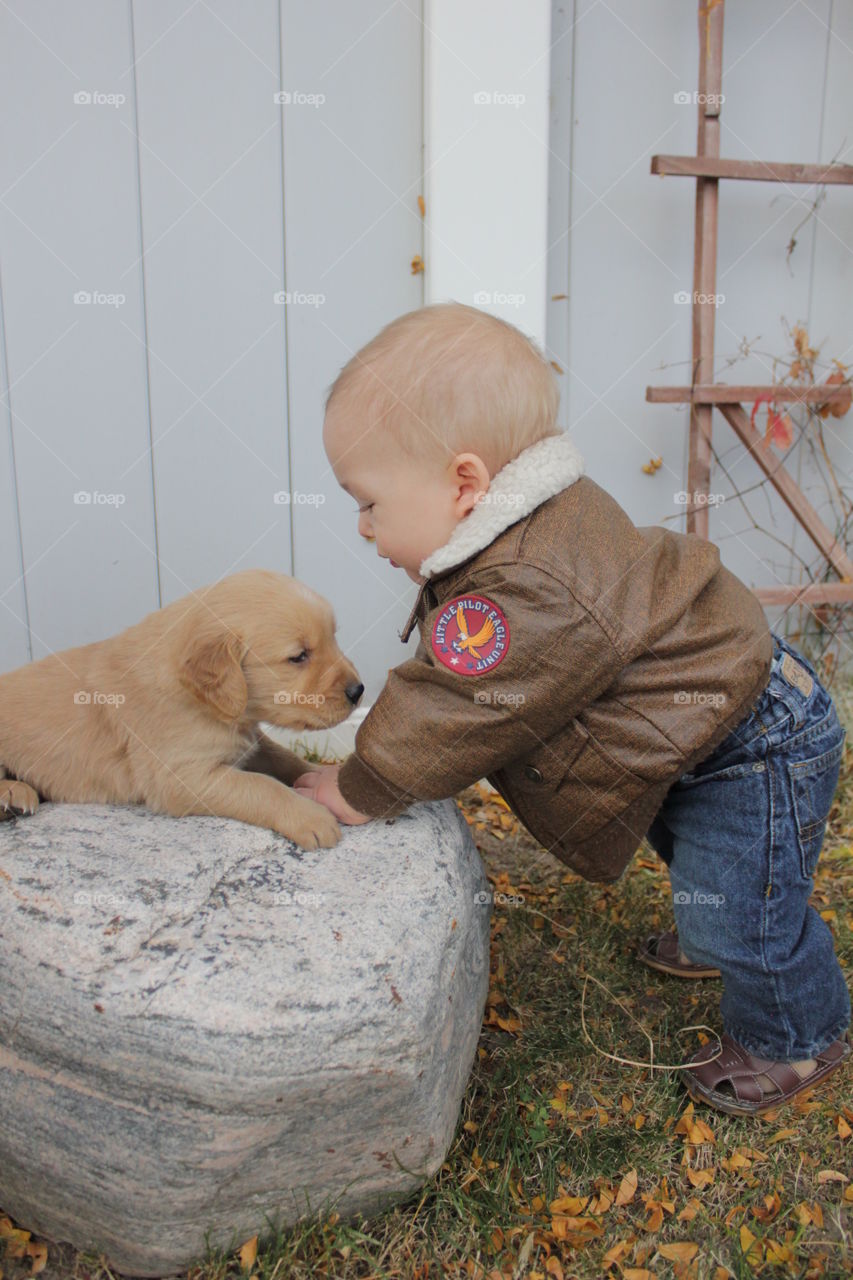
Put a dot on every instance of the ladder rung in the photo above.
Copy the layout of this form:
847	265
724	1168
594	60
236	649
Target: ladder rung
718	393
754	170
813	593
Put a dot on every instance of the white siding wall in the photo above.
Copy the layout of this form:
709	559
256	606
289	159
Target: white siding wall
199	398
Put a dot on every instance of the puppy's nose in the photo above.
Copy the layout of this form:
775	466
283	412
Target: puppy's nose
354	692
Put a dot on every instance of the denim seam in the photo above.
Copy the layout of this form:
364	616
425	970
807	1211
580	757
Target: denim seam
772	787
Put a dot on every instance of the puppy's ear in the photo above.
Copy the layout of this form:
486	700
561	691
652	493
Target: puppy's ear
212	672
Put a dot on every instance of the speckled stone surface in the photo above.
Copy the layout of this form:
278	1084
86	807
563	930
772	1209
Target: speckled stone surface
201	1023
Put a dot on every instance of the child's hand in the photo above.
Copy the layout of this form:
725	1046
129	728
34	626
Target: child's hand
322	785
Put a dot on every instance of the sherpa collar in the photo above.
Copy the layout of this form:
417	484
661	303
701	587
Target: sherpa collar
537	473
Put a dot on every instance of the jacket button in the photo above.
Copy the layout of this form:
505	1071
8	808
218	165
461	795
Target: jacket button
532	773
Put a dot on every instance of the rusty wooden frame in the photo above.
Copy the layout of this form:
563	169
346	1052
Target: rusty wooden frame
707	167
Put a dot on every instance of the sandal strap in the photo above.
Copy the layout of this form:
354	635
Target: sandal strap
740	1069
835	1052
664	946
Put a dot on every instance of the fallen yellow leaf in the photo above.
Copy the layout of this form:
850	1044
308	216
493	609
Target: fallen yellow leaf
655	1218
569	1204
614	1254
776	1252
38	1253
750	1245
683	1251
767	1212
627	1188
249	1253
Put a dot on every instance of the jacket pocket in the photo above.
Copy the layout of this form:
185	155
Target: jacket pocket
813	784
530	783
595	789
568	788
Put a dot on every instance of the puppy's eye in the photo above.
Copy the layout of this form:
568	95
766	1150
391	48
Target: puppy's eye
299	657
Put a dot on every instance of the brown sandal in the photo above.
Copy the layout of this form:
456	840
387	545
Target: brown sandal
737	1069
660	951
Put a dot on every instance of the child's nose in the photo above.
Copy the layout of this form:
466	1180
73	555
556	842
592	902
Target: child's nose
364	526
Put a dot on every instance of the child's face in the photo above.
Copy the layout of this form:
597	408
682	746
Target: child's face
409	508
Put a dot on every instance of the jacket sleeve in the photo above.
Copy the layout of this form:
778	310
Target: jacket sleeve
434	731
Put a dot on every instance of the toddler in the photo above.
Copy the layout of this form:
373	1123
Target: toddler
612	682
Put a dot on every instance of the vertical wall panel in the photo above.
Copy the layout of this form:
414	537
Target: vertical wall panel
766	293
210	160
487	83
829	237
14	631
69	228
352	172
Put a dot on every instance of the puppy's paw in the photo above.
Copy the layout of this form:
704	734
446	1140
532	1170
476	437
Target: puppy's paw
311	825
17	798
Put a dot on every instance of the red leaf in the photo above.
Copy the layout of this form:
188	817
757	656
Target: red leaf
779	429
765	395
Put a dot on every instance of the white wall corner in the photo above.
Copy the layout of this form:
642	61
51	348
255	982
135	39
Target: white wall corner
486	118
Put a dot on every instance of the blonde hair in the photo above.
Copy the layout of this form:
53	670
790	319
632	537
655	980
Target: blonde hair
449	378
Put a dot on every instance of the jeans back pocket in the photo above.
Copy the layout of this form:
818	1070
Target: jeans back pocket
813	784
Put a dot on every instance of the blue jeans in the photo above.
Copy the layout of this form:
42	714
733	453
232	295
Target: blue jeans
741	834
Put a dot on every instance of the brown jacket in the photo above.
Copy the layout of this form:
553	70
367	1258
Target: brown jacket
578	662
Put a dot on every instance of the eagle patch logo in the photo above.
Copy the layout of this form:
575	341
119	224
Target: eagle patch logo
470	635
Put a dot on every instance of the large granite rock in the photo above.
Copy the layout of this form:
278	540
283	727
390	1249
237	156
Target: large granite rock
202	1024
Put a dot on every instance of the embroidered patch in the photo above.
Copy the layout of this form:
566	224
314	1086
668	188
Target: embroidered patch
470	635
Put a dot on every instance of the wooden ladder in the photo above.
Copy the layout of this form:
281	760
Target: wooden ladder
707	167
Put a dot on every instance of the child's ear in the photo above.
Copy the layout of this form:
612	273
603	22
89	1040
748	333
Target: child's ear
470	477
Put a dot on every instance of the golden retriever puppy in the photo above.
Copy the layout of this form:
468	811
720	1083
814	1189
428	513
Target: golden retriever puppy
166	713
